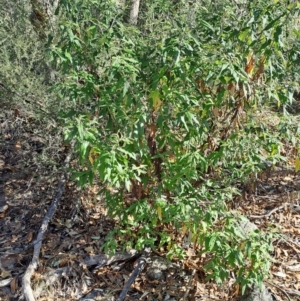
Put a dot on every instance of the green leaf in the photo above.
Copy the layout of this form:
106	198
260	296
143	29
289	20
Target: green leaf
206	24
68	56
271	24
156	101
71	35
211	242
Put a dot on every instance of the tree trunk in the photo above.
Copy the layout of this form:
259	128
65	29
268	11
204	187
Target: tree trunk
134	12
42	16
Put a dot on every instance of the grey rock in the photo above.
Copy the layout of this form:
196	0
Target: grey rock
255	294
247	227
161	263
154	274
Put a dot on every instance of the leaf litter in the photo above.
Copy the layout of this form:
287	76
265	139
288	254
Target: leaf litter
72	264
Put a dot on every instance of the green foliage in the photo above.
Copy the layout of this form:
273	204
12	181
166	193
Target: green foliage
24	74
247	254
165	114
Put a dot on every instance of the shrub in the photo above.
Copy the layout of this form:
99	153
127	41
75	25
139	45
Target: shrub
165	115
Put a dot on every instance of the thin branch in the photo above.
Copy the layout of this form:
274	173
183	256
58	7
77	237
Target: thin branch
140	266
295	208
26	287
280	288
189	285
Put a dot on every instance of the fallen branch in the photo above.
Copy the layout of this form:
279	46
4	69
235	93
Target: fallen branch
281	289
189	285
140	266
294	208
269	213
293	268
293	292
26	287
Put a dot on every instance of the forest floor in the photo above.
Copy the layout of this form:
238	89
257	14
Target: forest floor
72	264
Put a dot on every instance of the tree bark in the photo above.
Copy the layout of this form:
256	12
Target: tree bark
42	16
134	12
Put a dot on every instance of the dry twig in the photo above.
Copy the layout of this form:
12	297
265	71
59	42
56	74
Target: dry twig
189	285
281	289
293	208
